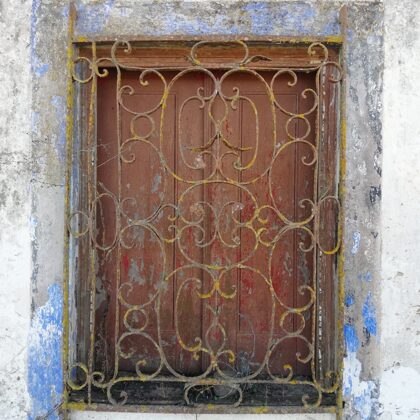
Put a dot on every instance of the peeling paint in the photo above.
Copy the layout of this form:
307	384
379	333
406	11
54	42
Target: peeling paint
209	18
369	315
295	15
45	382
350	336
362	395
356	243
157	180
349	301
365	277
39	68
134	273
59	103
92	18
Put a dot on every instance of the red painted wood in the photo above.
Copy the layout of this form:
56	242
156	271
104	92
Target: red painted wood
246	317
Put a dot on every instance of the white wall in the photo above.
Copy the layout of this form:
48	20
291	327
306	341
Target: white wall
400	318
15	244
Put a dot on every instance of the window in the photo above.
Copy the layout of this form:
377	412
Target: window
204	225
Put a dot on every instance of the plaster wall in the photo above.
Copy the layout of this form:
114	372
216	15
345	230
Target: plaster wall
15	232
382	319
400	279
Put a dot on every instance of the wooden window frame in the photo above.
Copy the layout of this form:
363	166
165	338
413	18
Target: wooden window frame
214	53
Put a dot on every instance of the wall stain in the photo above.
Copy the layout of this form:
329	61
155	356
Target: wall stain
374	194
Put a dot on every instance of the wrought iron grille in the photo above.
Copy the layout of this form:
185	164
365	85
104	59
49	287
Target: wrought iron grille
133	361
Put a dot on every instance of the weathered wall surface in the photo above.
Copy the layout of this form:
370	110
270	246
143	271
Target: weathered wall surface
400	279
15	234
381	325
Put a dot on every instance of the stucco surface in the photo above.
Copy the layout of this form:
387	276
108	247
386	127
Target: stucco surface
15	244
400	279
382	319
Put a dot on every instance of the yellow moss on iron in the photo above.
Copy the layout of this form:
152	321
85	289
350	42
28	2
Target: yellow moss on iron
69	134
260	410
81	39
80	406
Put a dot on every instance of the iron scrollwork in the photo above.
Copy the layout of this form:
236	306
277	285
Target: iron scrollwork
185	217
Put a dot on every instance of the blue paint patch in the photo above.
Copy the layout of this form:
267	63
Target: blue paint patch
356	243
257	17
260	16
348	386
365	277
350	35
181	24
332	28
92	18
364	402
369	315
38	67
66	12
59	104
350	336
35	117
33	224
349	301
291	18
45	372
